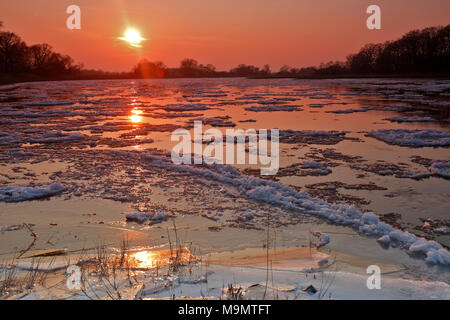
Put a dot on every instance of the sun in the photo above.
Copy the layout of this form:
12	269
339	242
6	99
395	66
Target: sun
132	37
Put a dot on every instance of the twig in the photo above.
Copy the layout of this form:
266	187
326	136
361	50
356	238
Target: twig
35	238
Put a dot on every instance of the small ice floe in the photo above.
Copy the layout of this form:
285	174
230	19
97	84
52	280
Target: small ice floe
9	138
171	115
323	239
48	103
141	217
414	175
273	108
317	168
311	136
249	97
246	216
219	121
384	241
396	107
30	192
286	99
185	107
55	137
441	169
410	119
319	96
312	165
345	111
413	138
205	95
269	102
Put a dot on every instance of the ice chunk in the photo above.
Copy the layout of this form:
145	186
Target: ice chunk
54	137
30	192
410	119
138	217
384	241
272	108
141	217
441	169
6	138
247	216
413	138
324	238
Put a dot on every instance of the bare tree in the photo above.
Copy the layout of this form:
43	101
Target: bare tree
13	53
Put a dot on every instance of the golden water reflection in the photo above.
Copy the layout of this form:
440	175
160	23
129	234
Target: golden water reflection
136	115
159	258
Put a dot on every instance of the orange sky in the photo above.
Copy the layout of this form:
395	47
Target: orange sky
221	32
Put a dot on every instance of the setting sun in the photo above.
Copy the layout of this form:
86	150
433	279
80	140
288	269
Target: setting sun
132	37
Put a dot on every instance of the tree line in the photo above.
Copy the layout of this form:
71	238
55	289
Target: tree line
417	52
424	51
16	57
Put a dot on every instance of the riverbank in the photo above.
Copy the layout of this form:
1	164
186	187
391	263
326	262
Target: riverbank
14	79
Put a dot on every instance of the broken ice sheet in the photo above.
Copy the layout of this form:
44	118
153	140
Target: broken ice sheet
47	127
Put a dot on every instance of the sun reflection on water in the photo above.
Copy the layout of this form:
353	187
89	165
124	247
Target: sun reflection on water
136	115
158	258
135	118
145	259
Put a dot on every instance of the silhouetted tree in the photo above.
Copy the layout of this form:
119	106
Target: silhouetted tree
40	56
189	67
266	69
245	70
284	70
418	51
17	57
147	69
13	53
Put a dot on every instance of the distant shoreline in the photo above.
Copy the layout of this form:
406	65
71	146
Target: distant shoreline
15	79
361	76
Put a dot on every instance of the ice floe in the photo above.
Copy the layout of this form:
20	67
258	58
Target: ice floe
441	169
410	119
276	193
9	138
345	111
323	238
273	108
413	138
311	136
30	192
141	217
56	137
185	107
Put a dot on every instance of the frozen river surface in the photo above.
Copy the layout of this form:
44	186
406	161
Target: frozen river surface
87	160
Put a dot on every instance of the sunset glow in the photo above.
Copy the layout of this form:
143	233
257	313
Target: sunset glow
223	33
132	37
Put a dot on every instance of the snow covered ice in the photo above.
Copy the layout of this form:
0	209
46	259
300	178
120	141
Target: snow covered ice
30	192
